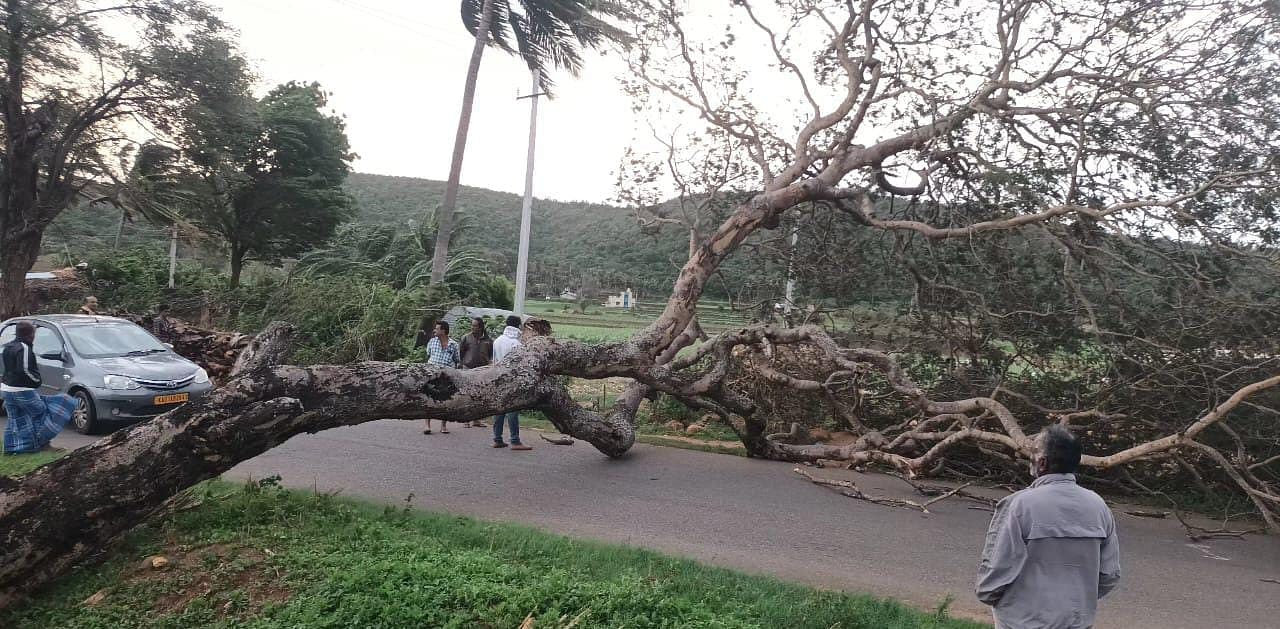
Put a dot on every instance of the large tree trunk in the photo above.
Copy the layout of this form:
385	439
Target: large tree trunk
17	259
69	510
440	258
19	228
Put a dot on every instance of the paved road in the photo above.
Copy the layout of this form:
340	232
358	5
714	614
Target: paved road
759	517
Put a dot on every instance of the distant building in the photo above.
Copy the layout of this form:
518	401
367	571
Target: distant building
568	295
623	300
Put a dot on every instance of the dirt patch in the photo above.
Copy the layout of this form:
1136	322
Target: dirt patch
235	580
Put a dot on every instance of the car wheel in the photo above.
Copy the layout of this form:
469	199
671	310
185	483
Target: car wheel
85	416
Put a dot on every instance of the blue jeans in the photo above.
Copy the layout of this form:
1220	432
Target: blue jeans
513	420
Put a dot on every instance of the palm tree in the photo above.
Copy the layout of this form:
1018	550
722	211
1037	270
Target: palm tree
546	34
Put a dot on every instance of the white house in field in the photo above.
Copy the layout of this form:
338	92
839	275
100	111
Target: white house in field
623	300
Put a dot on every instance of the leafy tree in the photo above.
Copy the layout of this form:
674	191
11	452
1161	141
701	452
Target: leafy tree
403	261
63	125
267	175
545	34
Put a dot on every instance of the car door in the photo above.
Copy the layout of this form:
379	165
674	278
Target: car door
55	375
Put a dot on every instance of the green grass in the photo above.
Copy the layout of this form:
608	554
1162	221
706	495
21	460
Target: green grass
19	464
262	557
601	324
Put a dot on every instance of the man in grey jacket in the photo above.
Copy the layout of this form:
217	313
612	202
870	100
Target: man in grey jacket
1051	551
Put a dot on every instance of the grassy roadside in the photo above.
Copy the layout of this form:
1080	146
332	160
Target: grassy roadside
19	464
258	556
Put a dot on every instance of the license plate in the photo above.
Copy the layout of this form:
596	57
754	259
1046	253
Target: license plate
176	398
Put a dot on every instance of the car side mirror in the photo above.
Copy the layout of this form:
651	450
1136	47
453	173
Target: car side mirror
54	356
169	345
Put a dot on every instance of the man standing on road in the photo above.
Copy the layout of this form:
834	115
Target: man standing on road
509	340
1051	551
476	347
34	419
442	351
477	351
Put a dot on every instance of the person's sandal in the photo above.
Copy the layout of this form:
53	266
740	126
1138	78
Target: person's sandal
521	447
499	444
427	431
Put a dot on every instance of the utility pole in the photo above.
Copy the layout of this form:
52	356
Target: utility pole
526	210
173	252
791	280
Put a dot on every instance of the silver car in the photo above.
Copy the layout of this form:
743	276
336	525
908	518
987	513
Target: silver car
117	371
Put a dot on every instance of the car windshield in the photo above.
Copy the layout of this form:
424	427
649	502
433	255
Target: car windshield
111	340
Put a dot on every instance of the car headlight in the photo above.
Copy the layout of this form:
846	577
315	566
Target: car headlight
202	376
120	383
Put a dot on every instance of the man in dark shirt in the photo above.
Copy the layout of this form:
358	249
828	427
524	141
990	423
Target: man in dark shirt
34	419
477	347
477	351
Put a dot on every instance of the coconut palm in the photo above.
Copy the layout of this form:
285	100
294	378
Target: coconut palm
546	34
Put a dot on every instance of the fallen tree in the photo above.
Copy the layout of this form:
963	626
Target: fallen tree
1045	130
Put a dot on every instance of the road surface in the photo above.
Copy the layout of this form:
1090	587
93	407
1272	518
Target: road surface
760	517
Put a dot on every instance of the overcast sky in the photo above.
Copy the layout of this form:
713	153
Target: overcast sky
395	69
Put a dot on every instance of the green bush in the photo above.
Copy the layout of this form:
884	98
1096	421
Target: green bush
137	279
340	320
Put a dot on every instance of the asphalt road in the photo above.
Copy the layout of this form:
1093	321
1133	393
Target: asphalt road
759	517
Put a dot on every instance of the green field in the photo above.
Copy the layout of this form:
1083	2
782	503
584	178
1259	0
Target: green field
612	324
257	556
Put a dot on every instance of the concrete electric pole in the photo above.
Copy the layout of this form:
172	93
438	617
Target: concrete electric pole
789	299
526	210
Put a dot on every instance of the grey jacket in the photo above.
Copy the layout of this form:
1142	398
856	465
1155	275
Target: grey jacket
1051	552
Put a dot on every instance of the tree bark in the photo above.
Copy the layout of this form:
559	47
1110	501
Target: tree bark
19	222
67	511
237	266
444	229
19	256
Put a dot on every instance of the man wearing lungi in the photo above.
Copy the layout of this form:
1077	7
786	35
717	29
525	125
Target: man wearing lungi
34	419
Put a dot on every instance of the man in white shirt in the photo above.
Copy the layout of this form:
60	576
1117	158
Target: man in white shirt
502	346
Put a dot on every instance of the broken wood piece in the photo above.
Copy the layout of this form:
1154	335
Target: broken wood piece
1138	513
562	440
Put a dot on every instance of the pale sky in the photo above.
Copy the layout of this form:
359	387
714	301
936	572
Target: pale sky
395	69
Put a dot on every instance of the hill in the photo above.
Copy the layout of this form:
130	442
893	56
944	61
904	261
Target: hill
569	240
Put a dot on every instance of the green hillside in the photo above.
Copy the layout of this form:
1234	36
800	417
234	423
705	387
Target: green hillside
568	239
571	241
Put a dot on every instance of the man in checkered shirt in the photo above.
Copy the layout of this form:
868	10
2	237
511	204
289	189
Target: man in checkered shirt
442	351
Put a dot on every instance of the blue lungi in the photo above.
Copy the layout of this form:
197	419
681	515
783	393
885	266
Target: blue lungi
34	419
